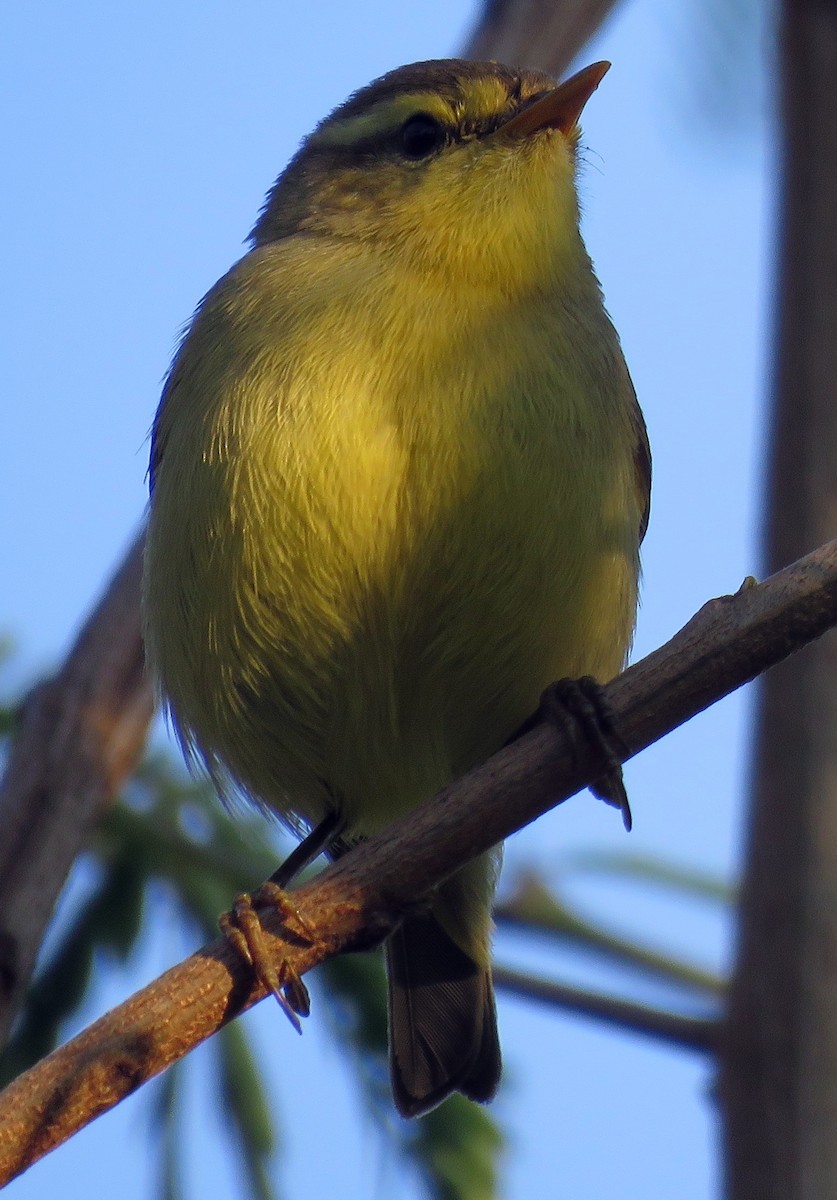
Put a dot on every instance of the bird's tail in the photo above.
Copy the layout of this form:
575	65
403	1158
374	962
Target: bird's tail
442	1019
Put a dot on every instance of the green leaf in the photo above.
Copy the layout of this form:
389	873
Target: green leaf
245	1104
534	907
457	1147
167	1128
689	881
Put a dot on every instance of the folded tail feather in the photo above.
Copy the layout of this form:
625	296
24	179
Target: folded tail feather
442	1019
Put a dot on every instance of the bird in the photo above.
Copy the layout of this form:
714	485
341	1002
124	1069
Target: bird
399	479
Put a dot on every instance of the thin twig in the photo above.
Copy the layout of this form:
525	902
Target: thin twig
533	909
691	1033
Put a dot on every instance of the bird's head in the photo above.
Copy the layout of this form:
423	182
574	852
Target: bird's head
455	166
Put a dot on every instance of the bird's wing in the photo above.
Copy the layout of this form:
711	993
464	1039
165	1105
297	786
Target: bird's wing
642	464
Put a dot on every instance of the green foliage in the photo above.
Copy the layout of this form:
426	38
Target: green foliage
538	906
166	1124
459	1145
247	1107
7	711
642	868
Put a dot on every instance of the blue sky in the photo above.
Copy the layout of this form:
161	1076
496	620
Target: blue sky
142	139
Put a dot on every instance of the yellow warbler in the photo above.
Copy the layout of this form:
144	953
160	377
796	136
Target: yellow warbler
399	483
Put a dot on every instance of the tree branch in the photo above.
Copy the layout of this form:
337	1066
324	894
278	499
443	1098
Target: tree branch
80	734
534	909
690	1033
356	902
536	33
778	1071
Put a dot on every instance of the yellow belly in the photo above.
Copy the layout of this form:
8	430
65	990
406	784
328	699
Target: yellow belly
367	565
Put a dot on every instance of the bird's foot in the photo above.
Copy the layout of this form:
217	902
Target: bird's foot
584	701
242	928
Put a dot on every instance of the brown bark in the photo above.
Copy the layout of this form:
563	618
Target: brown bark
536	33
779	1062
356	902
80	734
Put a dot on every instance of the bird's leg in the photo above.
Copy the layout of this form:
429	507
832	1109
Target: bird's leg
311	845
583	700
243	929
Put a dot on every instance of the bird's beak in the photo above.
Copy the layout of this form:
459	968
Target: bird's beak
560	108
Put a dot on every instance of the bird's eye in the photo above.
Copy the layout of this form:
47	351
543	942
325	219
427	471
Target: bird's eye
420	136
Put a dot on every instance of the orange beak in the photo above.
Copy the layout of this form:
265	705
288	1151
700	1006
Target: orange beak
560	108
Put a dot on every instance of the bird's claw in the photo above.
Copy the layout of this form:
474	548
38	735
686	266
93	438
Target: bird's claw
584	701
242	928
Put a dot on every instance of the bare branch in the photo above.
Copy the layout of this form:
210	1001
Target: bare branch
536	33
80	734
779	1063
357	901
690	1033
534	909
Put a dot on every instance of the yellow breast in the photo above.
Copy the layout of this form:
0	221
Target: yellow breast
389	513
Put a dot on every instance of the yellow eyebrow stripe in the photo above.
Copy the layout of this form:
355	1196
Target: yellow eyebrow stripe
384	117
479	99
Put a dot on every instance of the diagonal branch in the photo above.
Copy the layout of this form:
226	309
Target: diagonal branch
356	902
688	1033
532	908
80	734
536	33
